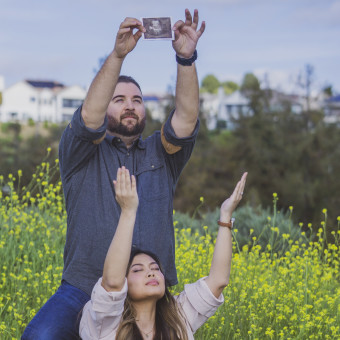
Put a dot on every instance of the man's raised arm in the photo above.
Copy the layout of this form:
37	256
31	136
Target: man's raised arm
102	88
187	87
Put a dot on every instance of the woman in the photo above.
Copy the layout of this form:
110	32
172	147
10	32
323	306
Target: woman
131	300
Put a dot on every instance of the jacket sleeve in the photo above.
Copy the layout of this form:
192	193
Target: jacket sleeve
198	303
101	315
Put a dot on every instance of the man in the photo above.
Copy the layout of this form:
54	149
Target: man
104	135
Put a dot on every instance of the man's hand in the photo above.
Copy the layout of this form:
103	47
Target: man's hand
186	36
126	41
126	190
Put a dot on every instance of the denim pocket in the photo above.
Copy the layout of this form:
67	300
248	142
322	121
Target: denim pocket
152	181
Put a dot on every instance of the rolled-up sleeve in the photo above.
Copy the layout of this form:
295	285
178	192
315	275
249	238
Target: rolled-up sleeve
82	131
101	315
198	303
168	133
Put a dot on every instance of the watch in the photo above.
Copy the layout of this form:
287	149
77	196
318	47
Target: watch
229	225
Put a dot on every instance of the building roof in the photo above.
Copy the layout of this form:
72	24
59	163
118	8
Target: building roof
151	98
334	99
44	84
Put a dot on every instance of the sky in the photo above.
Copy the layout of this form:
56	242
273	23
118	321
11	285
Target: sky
274	39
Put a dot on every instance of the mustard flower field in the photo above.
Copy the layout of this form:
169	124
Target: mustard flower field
293	296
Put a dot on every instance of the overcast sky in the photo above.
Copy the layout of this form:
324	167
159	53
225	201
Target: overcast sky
63	40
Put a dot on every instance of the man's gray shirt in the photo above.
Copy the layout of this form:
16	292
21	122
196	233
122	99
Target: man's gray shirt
88	168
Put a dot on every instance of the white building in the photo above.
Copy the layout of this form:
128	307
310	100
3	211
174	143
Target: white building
157	105
331	108
219	109
40	101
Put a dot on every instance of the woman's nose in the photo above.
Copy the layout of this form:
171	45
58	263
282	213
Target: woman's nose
150	274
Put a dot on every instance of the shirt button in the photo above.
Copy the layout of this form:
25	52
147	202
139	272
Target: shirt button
128	153
118	139
133	246
152	166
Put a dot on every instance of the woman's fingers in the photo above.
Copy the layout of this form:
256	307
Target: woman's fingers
133	184
124	184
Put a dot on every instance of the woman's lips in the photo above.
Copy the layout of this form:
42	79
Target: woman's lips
153	283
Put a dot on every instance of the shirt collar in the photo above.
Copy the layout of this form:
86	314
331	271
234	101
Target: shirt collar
138	142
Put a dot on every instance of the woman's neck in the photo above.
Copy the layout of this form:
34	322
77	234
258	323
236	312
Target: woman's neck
145	318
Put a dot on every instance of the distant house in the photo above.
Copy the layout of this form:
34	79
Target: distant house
220	109
280	101
157	105
331	108
40	101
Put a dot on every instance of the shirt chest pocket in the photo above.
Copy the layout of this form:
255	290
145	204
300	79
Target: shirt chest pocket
152	181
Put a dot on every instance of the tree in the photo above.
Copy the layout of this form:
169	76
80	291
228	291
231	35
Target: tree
250	84
305	81
210	84
328	91
258	98
229	87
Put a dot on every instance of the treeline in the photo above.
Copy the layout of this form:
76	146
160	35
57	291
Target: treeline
296	156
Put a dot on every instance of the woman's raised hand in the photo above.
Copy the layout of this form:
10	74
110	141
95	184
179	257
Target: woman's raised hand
229	205
126	190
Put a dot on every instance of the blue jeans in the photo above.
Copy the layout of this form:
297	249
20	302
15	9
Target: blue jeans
59	318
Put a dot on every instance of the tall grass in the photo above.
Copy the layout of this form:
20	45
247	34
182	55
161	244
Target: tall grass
293	295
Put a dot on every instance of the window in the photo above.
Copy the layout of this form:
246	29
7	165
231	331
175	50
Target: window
66	117
74	103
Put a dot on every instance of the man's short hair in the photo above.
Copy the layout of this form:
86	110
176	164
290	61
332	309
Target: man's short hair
128	79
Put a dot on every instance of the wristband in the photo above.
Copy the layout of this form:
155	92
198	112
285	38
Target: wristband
185	61
229	225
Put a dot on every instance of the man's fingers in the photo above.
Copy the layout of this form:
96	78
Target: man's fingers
195	20
178	25
137	35
131	22
188	17
122	32
201	30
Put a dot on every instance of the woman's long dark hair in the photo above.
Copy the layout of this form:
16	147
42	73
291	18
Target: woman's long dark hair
170	324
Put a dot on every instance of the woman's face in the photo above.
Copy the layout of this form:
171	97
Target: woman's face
145	279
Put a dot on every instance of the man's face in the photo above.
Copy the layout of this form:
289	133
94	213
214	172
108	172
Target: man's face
126	111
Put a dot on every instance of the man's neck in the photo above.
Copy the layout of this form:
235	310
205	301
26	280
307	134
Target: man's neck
128	141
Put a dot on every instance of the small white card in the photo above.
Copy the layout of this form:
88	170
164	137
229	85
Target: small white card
159	28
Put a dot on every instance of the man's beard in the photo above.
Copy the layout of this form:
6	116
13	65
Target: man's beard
117	127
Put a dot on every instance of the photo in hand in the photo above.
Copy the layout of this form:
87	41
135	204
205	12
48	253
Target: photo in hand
158	28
